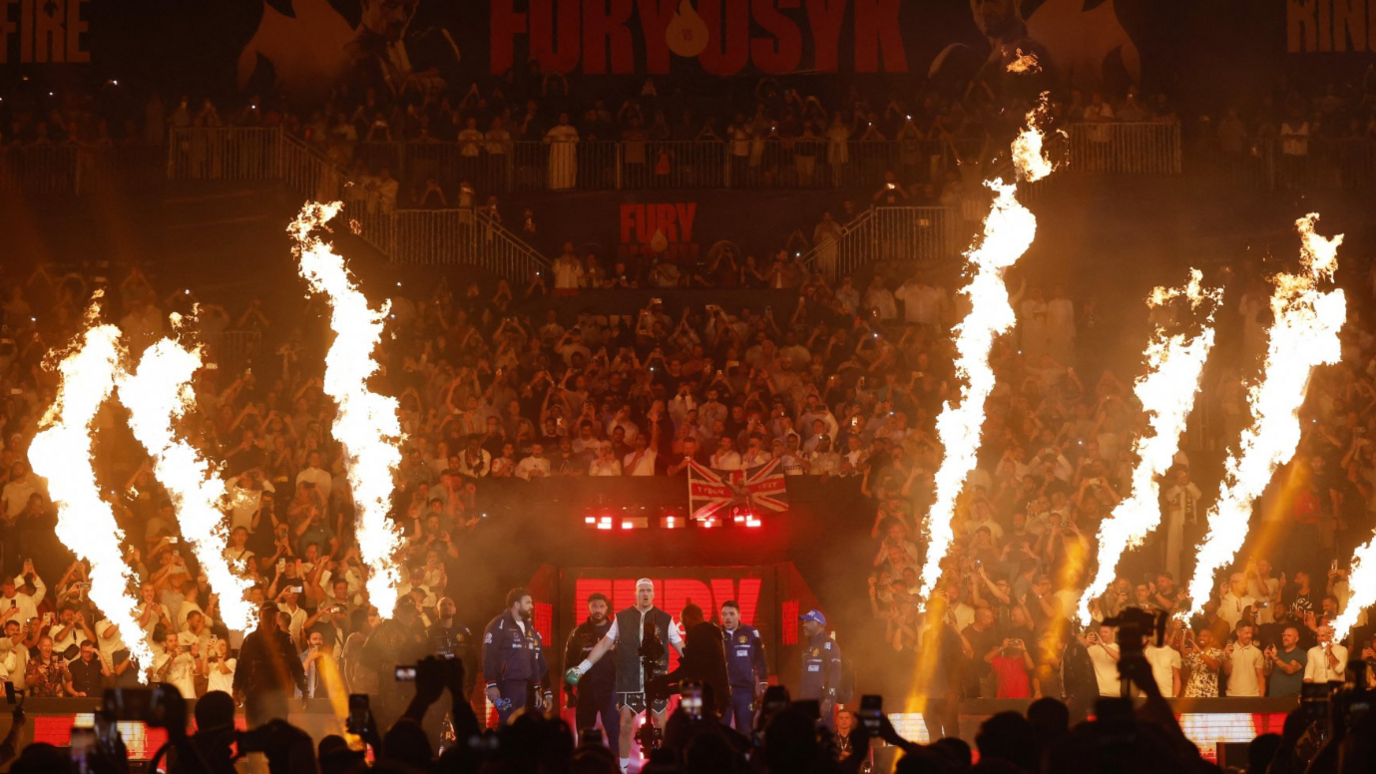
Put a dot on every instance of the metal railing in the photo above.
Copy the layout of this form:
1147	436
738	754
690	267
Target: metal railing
81	168
1125	149
233	351
224	153
432	237
926	235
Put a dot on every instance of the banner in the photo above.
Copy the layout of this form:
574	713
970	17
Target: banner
717	494
309	47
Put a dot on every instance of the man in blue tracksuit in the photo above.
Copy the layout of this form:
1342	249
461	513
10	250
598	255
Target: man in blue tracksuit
597	689
514	658
745	665
821	676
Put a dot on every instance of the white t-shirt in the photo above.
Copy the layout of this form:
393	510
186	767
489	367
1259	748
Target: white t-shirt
639	463
1163	663
1106	669
222	682
181	675
1243	680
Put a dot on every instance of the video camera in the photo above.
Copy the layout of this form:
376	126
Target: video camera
1135	623
652	651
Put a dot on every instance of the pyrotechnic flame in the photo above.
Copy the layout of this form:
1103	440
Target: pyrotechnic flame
1166	392
1303	336
366	423
157	395
1008	232
1029	159
61	453
1025	63
1361	580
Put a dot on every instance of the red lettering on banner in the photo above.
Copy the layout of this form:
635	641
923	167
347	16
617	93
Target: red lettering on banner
876	33
554	42
783	53
748	597
672	594
75	26
825	16
728	39
664	221
505	23
604	26
655	16
687	211
680	591
26	30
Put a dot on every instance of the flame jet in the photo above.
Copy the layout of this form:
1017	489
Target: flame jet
366	423
1303	337
1166	392
1008	231
157	395
61	453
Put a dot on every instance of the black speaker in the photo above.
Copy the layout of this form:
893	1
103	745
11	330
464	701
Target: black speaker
1232	755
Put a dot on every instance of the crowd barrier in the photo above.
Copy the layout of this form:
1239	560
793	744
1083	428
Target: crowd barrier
71	169
925	235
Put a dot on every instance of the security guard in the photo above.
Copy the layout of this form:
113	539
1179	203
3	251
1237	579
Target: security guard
821	664
745	665
597	689
451	639
514	658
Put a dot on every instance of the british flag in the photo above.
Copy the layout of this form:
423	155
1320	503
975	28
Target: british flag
712	493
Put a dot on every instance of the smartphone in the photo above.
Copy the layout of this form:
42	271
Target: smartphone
359	714
871	712
281	564
173	540
296	589
406	674
691	699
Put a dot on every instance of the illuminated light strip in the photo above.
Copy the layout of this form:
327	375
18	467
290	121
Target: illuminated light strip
61	453
1008	232
1167	393
157	395
1303	337
366	424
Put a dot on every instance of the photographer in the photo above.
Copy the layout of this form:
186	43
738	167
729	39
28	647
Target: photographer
704	661
1012	665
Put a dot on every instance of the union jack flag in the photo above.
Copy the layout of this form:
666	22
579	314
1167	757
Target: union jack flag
713	493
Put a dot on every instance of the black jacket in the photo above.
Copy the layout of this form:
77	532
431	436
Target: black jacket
268	661
704	660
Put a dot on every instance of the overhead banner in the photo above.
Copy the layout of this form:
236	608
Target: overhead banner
308	47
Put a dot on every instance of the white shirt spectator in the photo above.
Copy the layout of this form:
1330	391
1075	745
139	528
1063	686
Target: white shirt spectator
298	621
180	674
726	460
324	482
1317	669
1247	660
245	501
529	467
1165	663
922	304
1230	609
601	467
639	463
221	681
28	605
16	494
1106	668
568	272
881	300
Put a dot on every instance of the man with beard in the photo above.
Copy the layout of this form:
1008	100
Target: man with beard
596	693
382	55
626	635
449	639
514	658
399	641
268	670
